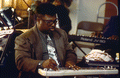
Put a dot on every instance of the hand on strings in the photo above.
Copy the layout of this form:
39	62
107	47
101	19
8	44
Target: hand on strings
72	65
96	34
50	64
114	37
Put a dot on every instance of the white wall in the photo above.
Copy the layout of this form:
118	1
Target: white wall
74	15
85	10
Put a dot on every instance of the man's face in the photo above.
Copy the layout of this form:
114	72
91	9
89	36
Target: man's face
46	23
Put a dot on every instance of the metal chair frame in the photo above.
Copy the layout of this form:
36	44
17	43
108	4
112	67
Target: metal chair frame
101	6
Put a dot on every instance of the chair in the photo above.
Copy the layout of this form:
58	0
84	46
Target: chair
87	27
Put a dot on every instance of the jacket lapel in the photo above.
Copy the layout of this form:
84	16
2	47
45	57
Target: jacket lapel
39	49
57	41
38	44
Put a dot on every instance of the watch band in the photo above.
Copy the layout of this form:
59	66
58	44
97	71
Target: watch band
40	65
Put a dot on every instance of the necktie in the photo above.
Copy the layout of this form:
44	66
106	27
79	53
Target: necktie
51	50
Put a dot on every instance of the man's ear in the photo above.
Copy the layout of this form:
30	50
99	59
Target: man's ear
39	15
38	19
56	3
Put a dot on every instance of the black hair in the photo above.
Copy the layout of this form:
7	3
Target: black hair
46	8
68	2
51	1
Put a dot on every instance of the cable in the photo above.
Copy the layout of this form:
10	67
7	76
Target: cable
26	4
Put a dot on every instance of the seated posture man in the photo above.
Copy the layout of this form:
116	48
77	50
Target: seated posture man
43	45
111	31
62	12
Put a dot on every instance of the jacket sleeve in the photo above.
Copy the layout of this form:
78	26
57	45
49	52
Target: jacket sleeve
23	54
70	53
112	27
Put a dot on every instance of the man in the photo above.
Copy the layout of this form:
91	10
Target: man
111	31
32	49
62	12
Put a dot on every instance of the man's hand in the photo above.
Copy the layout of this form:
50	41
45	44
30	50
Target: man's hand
96	34
100	35
50	63
114	37
72	65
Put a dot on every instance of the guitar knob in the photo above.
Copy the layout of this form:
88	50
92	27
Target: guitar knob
45	69
5	28
1	48
111	67
104	67
0	28
11	27
108	67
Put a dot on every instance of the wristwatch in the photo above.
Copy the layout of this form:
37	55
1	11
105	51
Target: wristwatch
40	65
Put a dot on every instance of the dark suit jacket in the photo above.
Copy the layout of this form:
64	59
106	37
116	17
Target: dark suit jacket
112	27
28	51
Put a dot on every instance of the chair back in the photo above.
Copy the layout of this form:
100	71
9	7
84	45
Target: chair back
86	28
90	26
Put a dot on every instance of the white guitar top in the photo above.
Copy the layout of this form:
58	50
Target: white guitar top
82	71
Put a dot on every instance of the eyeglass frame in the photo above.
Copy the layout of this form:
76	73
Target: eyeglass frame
49	23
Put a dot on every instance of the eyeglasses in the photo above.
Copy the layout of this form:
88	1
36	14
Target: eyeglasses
50	22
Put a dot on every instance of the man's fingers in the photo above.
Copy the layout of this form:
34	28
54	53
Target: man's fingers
55	68
74	67
77	67
53	62
52	66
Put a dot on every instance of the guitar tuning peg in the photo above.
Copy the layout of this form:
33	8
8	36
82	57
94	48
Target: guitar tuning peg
11	27
5	28
0	28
